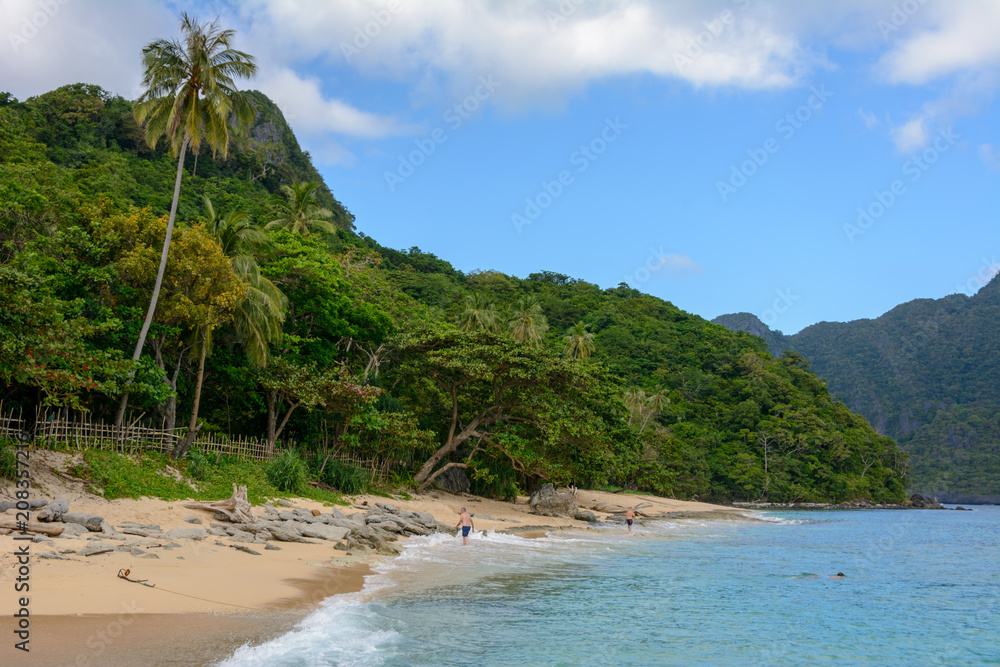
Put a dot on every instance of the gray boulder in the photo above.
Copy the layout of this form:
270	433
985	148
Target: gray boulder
324	532
241	536
73	530
187	534
54	510
546	501
91	522
584	515
298	515
190	518
454	480
284	532
32	504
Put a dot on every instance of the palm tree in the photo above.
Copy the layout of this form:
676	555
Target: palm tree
258	319
298	211
480	314
190	96
579	342
528	323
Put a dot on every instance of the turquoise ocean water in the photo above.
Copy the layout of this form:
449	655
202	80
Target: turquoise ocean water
922	588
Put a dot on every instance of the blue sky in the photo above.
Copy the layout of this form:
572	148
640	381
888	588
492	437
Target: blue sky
799	161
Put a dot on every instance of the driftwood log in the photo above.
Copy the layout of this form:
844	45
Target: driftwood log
31	526
237	508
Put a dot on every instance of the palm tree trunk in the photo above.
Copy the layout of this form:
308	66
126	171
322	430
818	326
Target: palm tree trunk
184	446
159	280
272	420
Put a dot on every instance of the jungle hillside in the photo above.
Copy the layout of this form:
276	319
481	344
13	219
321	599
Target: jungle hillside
277	317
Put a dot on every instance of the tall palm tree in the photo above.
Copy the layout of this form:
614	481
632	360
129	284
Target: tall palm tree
480	314
528	322
189	96
579	342
298	211
258	319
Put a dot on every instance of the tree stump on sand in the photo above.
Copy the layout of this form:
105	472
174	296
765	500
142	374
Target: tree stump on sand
237	508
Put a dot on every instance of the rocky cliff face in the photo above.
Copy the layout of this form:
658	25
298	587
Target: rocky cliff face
925	373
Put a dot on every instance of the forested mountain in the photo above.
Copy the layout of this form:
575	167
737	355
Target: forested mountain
298	327
924	373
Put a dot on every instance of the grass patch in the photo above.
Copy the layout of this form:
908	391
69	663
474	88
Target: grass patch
8	460
112	476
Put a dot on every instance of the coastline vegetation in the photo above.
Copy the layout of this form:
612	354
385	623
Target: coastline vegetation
276	318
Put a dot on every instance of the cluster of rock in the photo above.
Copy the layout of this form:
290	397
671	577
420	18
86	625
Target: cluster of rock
916	501
371	530
547	501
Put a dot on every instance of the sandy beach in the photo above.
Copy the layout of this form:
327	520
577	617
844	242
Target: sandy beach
215	596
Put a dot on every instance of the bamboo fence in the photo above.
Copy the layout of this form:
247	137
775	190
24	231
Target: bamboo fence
52	429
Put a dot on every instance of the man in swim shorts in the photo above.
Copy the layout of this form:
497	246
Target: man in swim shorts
465	521
629	518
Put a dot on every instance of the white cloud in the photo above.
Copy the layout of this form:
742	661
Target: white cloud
302	100
314	117
962	37
990	156
45	44
911	135
540	59
679	265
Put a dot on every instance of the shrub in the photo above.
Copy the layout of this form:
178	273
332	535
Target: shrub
197	464
346	477
288	472
8	460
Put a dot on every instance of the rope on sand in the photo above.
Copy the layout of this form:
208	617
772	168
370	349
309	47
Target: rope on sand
123	574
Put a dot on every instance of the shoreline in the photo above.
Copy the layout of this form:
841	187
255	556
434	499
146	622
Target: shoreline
216	597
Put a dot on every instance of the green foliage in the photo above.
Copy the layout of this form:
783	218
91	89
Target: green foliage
197	464
925	373
288	472
364	354
8	459
344	477
153	475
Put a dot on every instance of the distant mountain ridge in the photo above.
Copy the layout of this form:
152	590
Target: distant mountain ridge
924	373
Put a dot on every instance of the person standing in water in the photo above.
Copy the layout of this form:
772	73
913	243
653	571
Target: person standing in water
465	521
629	518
